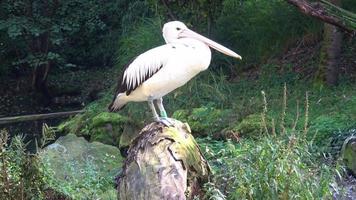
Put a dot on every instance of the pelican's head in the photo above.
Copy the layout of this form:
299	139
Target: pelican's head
172	30
175	29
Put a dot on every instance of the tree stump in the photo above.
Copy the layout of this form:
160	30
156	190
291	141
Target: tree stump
163	163
348	153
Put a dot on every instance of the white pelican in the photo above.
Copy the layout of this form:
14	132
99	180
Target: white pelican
163	69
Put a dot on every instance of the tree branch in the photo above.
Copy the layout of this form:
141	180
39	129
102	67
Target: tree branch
319	11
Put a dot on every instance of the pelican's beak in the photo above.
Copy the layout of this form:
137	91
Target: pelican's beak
191	34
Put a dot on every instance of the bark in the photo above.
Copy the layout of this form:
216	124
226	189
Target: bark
333	55
330	53
40	76
319	11
348	153
163	163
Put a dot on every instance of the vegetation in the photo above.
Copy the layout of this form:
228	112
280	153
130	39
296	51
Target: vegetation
21	173
270	147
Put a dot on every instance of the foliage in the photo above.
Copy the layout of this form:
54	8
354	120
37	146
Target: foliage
21	173
141	37
203	11
269	168
204	120
251	126
258	29
277	166
324	126
53	31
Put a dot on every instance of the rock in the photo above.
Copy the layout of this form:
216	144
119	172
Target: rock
348	153
104	127
81	169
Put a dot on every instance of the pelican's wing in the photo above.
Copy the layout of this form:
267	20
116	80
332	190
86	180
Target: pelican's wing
143	68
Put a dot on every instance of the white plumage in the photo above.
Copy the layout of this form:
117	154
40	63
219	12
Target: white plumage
161	70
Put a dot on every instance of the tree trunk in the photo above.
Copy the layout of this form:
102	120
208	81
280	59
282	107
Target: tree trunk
163	163
39	83
330	53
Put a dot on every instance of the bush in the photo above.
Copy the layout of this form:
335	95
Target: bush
324	127
269	168
143	36
251	126
21	173
204	120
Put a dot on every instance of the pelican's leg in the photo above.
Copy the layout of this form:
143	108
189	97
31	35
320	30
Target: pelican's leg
164	118
161	108
153	109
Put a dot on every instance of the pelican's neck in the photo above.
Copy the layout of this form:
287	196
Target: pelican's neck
202	51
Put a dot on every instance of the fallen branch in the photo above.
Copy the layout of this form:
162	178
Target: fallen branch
328	13
22	118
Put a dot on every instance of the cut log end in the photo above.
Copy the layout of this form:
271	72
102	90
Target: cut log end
163	163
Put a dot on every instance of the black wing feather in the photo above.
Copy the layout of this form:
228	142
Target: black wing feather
123	87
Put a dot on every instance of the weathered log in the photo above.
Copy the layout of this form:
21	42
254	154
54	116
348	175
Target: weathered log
348	153
163	163
34	117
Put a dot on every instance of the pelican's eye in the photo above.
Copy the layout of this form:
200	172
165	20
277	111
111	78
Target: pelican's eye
178	29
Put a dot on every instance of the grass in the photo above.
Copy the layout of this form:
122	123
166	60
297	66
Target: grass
269	168
278	165
21	176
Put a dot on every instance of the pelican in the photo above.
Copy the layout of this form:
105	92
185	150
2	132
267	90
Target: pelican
161	70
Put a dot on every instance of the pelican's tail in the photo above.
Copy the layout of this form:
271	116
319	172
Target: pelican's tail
118	102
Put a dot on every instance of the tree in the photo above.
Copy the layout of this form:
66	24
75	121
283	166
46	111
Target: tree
336	19
43	33
330	52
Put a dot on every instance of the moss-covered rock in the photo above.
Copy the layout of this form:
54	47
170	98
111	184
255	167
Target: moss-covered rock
80	169
204	120
349	154
107	128
104	127
250	126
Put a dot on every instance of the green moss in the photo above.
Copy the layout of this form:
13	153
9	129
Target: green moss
107	118
186	149
349	153
251	126
104	127
79	169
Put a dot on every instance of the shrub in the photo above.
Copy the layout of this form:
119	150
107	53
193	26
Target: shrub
21	173
251	126
204	120
269	168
